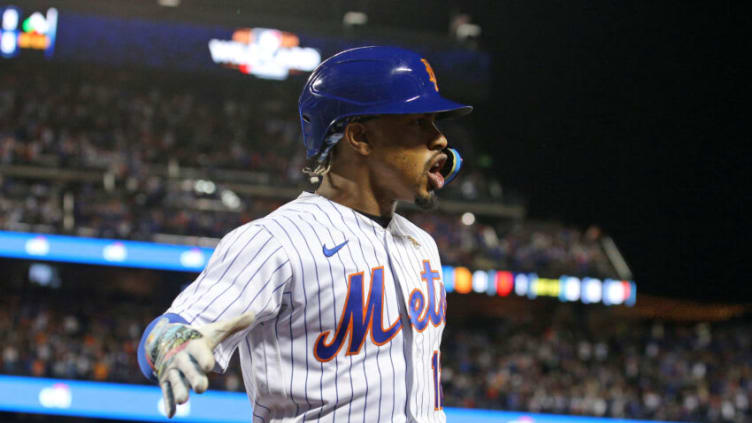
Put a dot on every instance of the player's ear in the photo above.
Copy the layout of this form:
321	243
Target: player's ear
356	137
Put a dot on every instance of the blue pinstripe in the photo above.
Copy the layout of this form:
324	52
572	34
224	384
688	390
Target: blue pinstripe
256	403
318	283
198	281
263	310
334	300
249	282
259	404
429	241
334	310
204	272
378	366
219	279
236	278
344	275
375	241
365	263
425	383
305	313
266	366
404	272
262	289
391	360
223	259
392	268
292	363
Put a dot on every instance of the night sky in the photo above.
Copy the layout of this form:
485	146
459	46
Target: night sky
624	116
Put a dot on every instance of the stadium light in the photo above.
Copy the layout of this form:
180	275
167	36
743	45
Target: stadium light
230	199
463	29
354	19
468	30
468	218
10	19
202	186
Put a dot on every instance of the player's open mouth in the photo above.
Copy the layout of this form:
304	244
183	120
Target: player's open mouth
435	178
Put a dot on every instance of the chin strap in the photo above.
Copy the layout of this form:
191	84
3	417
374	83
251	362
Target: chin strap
452	166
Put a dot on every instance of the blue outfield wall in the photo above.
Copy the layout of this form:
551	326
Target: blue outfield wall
143	403
102	251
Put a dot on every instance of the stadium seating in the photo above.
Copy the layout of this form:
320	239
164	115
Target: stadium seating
110	153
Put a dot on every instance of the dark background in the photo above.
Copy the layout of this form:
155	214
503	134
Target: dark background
624	114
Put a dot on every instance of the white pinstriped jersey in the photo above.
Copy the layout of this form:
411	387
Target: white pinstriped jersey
349	314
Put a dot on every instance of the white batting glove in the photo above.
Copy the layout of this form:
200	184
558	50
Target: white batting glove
181	356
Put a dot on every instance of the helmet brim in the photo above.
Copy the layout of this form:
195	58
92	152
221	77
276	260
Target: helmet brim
424	104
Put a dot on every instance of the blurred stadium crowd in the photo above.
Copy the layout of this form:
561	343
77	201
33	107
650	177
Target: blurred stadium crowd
98	154
639	369
645	370
129	123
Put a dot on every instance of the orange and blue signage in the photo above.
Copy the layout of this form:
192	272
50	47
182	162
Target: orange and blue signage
502	283
35	32
265	53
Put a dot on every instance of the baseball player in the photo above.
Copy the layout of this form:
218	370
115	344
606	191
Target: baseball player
335	302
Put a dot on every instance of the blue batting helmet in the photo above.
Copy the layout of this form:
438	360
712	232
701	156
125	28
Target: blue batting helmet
368	81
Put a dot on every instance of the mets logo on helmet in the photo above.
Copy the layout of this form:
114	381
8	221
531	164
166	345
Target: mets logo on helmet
431	75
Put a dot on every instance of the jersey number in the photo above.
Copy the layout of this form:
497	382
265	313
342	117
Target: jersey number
438	393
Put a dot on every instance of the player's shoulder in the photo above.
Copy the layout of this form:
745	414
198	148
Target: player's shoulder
246	234
406	227
265	226
246	241
308	212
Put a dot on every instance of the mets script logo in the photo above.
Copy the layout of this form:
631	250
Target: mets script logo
363	316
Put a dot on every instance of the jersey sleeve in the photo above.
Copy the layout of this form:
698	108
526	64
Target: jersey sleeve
248	271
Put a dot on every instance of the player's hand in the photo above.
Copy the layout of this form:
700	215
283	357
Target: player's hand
182	355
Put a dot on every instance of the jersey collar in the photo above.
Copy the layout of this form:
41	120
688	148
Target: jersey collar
353	215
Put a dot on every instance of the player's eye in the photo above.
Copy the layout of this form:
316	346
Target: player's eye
421	121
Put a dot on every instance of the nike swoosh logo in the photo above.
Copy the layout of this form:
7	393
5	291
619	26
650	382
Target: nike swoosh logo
330	252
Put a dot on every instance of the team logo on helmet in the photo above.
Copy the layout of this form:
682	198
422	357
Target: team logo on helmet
431	75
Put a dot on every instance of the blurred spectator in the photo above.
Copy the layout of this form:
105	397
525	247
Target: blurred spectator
646	370
545	248
48	339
